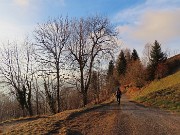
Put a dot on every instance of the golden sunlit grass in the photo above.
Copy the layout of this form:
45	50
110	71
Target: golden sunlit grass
163	93
27	118
162	84
40	126
45	124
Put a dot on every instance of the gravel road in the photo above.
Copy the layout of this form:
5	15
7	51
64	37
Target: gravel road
134	119
128	119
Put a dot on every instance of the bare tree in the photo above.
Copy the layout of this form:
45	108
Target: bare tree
91	38
146	54
16	71
51	38
50	90
127	53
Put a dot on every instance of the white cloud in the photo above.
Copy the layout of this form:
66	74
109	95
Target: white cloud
22	3
26	3
12	32
161	25
132	15
152	20
18	17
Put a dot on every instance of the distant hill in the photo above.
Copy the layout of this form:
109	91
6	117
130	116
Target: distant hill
163	93
173	64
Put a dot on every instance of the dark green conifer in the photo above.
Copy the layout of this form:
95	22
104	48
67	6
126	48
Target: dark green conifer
110	69
121	64
156	57
134	55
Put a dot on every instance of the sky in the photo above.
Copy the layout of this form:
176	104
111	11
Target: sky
138	21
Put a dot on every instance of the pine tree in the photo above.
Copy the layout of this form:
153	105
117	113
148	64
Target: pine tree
156	57
134	55
110	69
121	64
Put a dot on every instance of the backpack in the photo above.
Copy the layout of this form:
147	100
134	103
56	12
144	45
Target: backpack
118	92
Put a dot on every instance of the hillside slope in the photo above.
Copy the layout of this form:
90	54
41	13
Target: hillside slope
173	64
163	93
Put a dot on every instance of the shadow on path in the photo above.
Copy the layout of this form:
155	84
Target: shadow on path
76	114
74	132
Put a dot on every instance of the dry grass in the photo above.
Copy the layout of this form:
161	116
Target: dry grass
46	124
164	83
163	93
40	126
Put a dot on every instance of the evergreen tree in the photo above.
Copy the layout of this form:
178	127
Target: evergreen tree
110	69
112	79
134	55
121	64
156	57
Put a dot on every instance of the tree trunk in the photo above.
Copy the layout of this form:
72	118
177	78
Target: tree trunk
23	112
83	91
84	99
50	98
37	104
37	98
58	88
30	111
29	105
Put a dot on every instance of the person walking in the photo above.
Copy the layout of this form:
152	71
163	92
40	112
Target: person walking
118	95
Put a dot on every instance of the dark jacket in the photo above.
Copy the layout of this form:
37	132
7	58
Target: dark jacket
118	93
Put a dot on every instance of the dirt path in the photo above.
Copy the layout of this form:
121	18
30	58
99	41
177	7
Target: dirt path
129	119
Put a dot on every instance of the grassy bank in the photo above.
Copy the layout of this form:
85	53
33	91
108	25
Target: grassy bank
163	93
